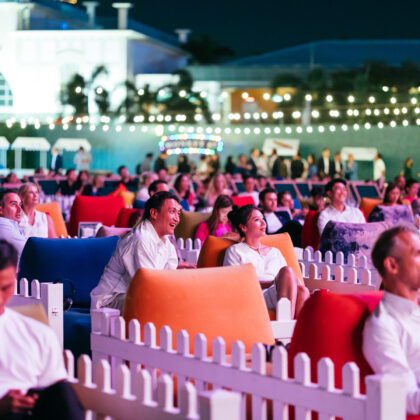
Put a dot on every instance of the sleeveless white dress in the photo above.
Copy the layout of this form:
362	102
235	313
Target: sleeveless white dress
38	229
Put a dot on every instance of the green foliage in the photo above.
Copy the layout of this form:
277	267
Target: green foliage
205	50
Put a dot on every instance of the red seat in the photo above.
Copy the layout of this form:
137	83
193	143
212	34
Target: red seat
331	325
310	232
124	217
94	209
242	201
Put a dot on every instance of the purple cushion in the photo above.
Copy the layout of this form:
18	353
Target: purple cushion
391	214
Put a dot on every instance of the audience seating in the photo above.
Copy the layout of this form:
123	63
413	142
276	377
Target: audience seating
123	218
365	189
331	326
94	209
48	186
106	231
213	251
188	223
78	264
368	204
392	214
53	210
288	186
310	231
221	301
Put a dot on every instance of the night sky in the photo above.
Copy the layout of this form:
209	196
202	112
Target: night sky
253	27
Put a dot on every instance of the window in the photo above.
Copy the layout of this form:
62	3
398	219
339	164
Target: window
6	97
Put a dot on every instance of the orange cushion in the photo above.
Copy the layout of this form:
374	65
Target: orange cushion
121	188
368	204
191	300
53	210
213	251
128	197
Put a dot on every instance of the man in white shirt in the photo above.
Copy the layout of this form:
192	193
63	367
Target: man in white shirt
391	336
249	184
147	245
337	211
378	168
10	215
32	379
82	159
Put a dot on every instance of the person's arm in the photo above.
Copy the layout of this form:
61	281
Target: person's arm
51	228
231	257
15	402
383	351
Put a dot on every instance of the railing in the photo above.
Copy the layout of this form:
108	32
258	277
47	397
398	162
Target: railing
49	295
118	401
384	400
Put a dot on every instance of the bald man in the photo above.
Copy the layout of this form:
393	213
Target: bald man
391	336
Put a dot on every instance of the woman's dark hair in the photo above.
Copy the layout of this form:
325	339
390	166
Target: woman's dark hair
8	255
222	202
240	216
178	182
80	175
156	202
391	186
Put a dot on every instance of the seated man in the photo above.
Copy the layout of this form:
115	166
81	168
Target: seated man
147	245
31	361
249	184
275	223
337	211
10	215
286	200
70	186
391	339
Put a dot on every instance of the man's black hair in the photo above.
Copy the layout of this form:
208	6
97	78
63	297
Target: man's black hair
153	186
156	202
4	193
334	181
264	192
121	167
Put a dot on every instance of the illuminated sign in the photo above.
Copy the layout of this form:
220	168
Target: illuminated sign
191	144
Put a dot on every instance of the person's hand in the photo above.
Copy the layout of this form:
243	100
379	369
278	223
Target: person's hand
15	402
185	264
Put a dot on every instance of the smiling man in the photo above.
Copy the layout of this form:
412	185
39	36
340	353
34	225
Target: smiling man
10	215
147	245
338	211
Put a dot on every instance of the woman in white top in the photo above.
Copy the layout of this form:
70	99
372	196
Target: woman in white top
34	222
269	263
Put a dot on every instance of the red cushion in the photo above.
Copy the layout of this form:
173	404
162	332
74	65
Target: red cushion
121	188
242	201
331	325
123	218
94	209
310	232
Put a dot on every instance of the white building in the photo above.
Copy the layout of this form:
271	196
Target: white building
43	43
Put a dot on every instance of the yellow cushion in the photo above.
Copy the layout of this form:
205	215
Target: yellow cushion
220	301
128	197
53	210
213	251
188	223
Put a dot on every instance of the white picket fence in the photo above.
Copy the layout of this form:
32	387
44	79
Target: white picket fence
384	399
189	249
119	402
308	256
49	295
342	280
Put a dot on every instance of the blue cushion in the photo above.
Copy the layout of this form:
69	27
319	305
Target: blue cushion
77	327
139	204
79	261
391	214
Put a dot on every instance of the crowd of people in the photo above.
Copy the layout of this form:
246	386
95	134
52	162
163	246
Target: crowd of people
165	192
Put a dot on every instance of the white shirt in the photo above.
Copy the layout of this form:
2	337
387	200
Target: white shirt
38	229
141	247
82	160
378	169
30	355
326	165
143	194
391	343
273	222
254	194
12	233
349	215
267	266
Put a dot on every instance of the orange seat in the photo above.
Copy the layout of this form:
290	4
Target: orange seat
213	251
53	210
368	204
191	300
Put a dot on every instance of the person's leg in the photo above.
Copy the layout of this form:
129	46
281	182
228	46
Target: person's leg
288	286
58	401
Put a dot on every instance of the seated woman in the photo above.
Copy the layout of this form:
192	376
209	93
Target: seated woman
392	195
98	185
34	222
218	186
268	262
83	183
218	223
182	190
411	191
